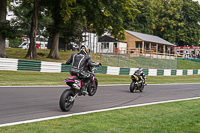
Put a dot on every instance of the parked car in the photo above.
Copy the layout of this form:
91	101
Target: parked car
39	45
74	47
24	45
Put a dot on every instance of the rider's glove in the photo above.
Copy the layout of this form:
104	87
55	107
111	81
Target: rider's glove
100	65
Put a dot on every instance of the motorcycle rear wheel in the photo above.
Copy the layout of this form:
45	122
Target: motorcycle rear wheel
132	87
65	103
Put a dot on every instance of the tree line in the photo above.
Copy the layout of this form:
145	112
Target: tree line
176	21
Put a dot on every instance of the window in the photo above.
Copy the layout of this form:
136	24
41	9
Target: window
105	45
24	44
147	46
102	45
115	44
137	44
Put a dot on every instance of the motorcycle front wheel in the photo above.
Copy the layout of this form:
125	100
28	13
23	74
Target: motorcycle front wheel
66	102
142	88
132	87
92	88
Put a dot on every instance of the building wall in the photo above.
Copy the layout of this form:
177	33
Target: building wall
90	40
130	39
122	47
101	49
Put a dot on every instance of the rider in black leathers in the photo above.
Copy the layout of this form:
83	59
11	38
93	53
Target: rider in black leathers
79	62
140	75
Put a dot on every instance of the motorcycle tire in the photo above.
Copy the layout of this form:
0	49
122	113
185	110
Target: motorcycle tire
65	103
142	88
132	87
91	89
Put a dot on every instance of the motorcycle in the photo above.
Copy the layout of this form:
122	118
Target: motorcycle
136	84
69	95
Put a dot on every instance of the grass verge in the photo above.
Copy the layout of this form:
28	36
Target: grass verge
26	78
181	116
177	117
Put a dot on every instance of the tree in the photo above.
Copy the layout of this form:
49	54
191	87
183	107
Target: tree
167	14
32	54
58	9
28	17
99	14
108	13
3	5
177	21
189	33
23	19
72	32
143	22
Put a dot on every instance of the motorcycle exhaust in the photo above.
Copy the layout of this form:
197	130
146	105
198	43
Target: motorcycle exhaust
76	85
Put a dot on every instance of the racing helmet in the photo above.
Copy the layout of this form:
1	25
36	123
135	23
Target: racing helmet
84	49
140	69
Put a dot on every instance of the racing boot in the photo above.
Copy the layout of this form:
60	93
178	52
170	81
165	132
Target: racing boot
83	91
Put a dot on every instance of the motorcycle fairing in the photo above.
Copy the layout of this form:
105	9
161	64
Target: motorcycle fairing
95	85
94	77
134	76
71	79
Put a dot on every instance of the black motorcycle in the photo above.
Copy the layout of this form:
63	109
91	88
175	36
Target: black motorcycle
137	84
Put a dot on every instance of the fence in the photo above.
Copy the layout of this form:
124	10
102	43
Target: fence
148	61
42	66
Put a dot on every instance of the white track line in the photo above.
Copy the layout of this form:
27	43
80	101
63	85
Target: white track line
94	111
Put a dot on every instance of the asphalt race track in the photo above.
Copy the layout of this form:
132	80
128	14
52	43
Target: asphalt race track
27	103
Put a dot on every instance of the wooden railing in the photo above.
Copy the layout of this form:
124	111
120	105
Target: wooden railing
146	52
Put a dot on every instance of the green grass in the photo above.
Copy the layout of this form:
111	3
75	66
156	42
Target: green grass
183	64
135	62
17	53
177	117
112	60
27	78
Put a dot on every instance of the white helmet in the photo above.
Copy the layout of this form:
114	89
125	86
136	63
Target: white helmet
85	49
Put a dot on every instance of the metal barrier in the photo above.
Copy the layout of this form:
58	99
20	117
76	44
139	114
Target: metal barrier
27	65
8	64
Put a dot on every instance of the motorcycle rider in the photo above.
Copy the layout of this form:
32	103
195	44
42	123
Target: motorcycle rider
78	63
140	74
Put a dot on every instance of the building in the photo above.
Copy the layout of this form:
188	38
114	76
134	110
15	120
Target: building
7	43
90	40
145	44
107	44
187	52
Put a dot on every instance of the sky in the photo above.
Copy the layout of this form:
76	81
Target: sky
197	0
